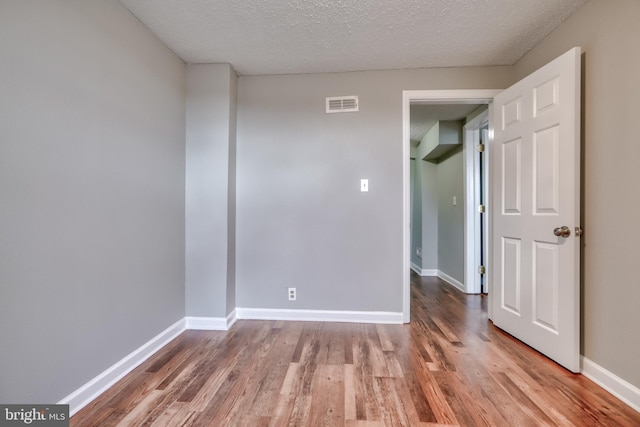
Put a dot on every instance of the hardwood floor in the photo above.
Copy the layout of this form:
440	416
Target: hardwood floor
449	366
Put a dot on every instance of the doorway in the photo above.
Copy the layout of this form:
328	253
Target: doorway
535	260
440	97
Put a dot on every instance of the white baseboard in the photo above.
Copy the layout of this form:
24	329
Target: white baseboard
231	318
609	381
98	385
211	323
320	315
450	280
424	272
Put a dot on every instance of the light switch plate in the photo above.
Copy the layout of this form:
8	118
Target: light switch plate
364	185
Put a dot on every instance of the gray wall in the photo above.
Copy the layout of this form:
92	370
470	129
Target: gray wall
424	233
231	213
442	224
451	218
609	35
301	219
416	212
427	197
92	188
210	190
429	176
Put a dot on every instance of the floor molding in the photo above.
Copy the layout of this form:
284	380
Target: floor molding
623	390
320	315
98	385
424	272
609	381
231	319
211	323
450	280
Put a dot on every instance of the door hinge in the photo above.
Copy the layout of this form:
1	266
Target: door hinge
481	148
482	270
481	208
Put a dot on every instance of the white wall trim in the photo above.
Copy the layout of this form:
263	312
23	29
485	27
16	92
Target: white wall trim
98	385
450	280
472	184
320	315
211	323
609	381
623	390
231	319
424	272
417	269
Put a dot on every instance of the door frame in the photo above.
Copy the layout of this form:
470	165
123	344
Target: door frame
472	184
453	96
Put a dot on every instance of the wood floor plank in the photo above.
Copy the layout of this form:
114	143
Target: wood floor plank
327	396
442	411
449	367
349	393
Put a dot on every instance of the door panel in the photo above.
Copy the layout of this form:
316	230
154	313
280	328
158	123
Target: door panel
545	179
511	172
511	275
536	185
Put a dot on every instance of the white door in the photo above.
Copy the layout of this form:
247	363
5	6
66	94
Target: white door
535	168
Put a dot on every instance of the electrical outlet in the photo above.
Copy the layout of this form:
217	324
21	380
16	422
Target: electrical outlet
292	294
419	252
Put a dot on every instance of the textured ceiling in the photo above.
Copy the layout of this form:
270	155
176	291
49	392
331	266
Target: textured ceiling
308	36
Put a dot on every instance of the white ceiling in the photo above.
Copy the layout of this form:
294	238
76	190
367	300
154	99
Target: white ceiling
309	36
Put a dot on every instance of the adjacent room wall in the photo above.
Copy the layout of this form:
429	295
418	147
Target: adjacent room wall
210	190
301	218
416	213
450	216
609	35
92	182
427	174
442	225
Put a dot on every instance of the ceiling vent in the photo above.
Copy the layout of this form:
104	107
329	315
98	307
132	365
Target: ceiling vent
342	104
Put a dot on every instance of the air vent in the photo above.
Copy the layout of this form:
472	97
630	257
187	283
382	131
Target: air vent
342	104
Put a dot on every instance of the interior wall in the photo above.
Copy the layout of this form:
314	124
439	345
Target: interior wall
416	213
427	235
427	173
609	35
231	191
442	223
301	219
92	181
210	185
450	217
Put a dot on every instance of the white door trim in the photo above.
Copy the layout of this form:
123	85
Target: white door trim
472	184
454	96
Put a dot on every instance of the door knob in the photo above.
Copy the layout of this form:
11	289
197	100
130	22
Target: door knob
563	231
